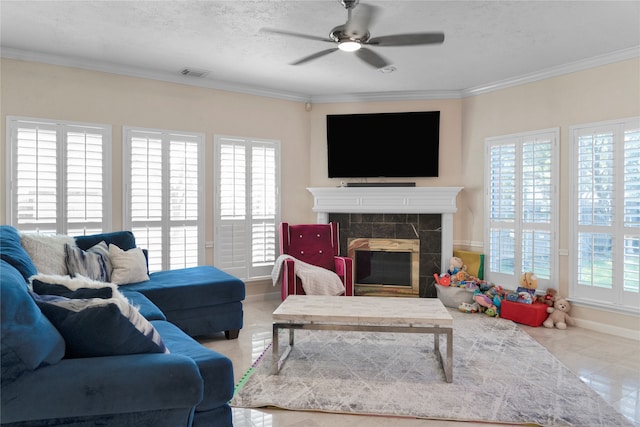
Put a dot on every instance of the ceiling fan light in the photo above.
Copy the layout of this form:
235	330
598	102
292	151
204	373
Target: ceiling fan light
349	46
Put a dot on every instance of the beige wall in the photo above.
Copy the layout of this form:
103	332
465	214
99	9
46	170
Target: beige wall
450	138
53	92
598	94
602	93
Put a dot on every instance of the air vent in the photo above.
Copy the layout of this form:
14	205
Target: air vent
193	72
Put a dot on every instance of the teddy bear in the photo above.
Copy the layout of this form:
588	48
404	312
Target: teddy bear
549	297
559	315
529	280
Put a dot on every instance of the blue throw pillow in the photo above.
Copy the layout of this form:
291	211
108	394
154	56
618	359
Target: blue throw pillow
11	251
93	263
43	288
100	327
28	339
125	240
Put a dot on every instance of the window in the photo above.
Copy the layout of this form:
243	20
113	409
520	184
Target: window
164	181
247	205
521	203
59	174
605	215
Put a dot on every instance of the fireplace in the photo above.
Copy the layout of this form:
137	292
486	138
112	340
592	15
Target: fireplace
424	213
385	267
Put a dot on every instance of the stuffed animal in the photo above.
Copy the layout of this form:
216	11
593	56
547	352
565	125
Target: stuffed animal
485	303
549	297
529	280
455	265
559	315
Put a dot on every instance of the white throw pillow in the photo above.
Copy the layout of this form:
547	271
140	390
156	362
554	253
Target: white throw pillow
128	266
47	251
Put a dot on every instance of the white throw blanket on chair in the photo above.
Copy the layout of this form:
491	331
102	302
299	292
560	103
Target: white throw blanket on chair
315	280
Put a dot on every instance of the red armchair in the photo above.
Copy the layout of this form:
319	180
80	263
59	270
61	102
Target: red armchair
316	244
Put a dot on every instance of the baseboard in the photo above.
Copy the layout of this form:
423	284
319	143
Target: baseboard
633	334
263	297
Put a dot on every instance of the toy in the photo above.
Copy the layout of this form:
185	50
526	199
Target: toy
529	280
497	303
549	297
465	307
485	303
491	311
525	297
443	280
461	276
455	265
559	315
482	299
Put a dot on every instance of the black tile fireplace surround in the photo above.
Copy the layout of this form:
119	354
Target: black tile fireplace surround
398	226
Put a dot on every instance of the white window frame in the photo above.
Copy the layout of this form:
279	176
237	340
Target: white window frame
61	224
517	226
234	238
165	223
614	298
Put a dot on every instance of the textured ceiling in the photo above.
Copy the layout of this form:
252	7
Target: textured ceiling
485	41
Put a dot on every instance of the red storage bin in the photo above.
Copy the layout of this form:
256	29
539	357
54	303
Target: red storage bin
527	314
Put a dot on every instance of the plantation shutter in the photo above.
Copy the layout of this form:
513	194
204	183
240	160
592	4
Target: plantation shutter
58	176
231	236
164	200
247	211
606	214
35	176
85	171
538	204
522	208
503	199
631	215
184	201
263	206
146	194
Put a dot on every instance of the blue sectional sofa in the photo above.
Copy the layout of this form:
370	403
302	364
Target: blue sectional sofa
174	381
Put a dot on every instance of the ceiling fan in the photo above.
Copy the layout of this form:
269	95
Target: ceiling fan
354	36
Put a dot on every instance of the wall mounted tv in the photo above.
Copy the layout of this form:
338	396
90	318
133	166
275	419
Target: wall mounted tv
391	145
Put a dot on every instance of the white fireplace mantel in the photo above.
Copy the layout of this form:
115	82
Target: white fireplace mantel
418	200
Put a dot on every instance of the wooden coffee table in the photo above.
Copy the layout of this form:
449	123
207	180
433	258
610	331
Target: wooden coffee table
372	314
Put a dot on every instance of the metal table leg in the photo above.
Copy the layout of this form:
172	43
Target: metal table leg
276	362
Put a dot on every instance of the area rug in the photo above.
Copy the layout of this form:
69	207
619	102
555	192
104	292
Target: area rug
500	375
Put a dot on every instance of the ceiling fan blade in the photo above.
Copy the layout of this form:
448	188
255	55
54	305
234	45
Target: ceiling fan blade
410	39
372	58
360	19
314	56
298	35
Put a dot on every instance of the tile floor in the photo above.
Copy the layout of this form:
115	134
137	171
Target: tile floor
609	364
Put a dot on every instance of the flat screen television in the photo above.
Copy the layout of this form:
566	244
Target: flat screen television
391	145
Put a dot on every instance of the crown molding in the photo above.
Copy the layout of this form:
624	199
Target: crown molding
572	67
67	61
